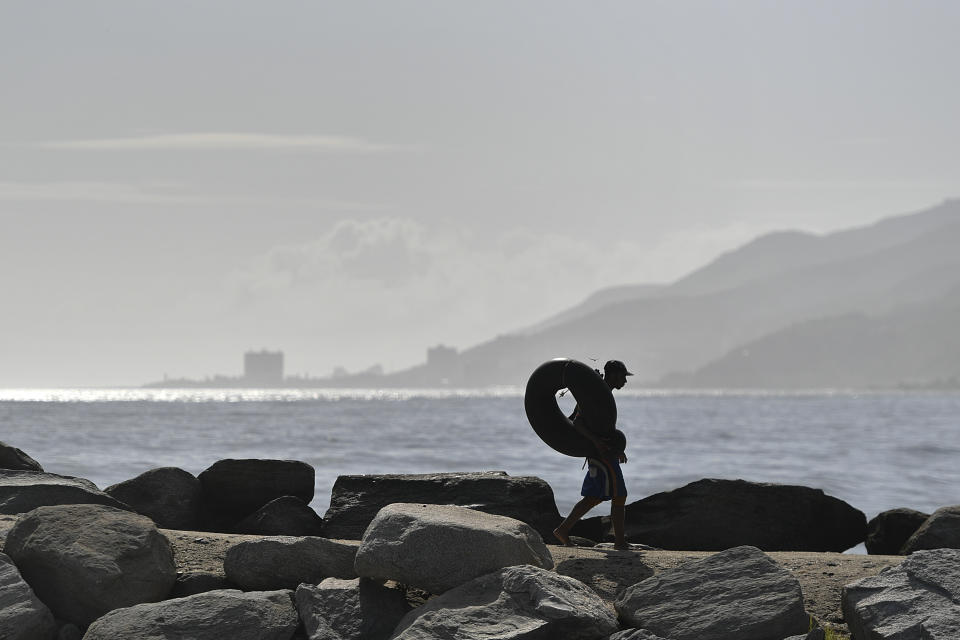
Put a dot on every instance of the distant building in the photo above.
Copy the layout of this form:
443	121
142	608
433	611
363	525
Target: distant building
263	367
443	364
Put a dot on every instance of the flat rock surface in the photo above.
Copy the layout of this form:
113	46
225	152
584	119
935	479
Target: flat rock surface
821	575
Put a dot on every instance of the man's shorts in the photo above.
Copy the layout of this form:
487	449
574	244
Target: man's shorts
603	480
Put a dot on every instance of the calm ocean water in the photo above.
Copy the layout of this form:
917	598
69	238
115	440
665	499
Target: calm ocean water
875	450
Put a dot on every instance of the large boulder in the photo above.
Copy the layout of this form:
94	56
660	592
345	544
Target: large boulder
355	500
85	560
286	516
940	531
22	491
737	594
16	459
283	562
22	615
712	515
234	489
889	530
350	609
519	602
439	547
214	615
167	495
917	599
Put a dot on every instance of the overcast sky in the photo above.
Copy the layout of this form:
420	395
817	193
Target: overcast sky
353	182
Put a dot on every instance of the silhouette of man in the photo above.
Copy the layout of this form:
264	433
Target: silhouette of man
604	479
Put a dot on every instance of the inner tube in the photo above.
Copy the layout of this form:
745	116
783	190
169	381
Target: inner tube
597	406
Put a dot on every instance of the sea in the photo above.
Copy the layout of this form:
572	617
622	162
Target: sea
875	450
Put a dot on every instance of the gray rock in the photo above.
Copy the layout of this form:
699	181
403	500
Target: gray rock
439	547
13	458
167	495
712	515
355	500
917	599
286	516
70	631
240	487
194	582
283	562
889	530
22	491
814	634
22	615
512	603
737	594
350	609
637	634
214	615
940	531
84	560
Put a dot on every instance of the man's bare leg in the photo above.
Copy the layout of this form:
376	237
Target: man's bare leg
618	515
562	533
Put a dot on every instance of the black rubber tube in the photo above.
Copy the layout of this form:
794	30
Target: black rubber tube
592	394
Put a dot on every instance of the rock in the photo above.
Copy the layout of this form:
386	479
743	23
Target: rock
595	572
350	609
286	516
814	634
84	560
167	495
283	562
194	582
214	615
355	500
637	634
22	615
737	594
712	515
233	489
940	531
15	459
69	631
512	603
917	599
889	530
22	491
439	547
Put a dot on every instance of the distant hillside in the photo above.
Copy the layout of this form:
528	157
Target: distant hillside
775	282
914	345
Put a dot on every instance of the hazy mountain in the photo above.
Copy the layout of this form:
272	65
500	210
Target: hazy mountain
772	283
602	298
916	345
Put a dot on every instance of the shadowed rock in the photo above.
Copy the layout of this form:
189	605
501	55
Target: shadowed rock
355	500
15	459
22	615
167	495
194	582
286	516
712	515
438	547
84	560
22	491
512	603
214	615
349	609
234	489
889	530
940	531
917	599
283	562
737	594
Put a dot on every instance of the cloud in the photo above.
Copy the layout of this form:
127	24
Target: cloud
225	141
157	193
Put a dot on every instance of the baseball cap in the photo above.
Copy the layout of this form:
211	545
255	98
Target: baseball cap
616	365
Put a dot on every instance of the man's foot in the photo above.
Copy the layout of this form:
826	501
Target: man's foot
622	546
562	537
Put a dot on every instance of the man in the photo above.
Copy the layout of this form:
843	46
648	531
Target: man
604	479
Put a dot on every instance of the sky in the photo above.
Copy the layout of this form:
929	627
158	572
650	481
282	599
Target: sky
355	182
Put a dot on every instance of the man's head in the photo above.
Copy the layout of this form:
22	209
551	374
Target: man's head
615	373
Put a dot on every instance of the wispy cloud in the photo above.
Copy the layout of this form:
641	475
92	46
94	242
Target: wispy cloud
157	194
224	141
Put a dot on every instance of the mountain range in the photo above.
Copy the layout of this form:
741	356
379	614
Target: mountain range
875	306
